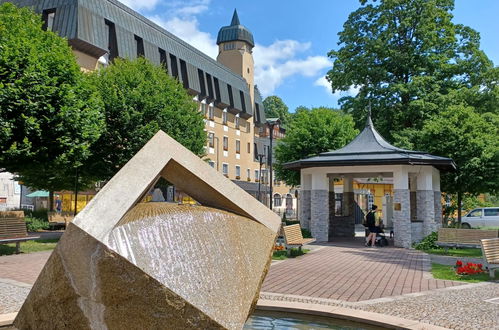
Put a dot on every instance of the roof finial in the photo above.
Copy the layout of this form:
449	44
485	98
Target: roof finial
235	19
369	121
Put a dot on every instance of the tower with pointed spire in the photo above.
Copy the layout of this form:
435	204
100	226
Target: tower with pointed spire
235	50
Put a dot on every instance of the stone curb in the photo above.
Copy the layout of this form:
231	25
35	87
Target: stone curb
7	319
387	321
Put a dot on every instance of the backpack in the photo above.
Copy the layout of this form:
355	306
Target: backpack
369	220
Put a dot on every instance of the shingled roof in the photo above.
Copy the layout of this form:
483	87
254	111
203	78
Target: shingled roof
370	148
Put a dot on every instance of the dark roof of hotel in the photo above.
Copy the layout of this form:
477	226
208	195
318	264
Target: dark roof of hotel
370	148
82	22
235	31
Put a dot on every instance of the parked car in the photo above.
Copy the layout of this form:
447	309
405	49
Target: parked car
481	217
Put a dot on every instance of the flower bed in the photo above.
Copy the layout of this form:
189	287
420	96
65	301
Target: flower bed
468	269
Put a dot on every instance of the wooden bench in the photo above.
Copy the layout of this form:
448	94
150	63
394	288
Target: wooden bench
469	238
60	219
13	229
294	238
490	253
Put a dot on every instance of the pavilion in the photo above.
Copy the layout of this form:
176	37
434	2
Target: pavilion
369	155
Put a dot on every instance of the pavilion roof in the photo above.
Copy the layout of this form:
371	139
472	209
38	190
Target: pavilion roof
370	148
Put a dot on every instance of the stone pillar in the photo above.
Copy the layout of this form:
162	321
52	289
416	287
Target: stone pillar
319	207
348	225
425	200
401	208
437	197
305	187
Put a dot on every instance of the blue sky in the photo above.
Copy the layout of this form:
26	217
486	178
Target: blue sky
293	37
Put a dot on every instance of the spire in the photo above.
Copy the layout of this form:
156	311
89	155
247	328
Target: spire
235	19
369	121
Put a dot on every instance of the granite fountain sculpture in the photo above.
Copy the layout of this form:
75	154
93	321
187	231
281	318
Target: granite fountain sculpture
128	265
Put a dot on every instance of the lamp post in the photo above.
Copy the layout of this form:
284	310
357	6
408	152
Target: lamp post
271	122
260	160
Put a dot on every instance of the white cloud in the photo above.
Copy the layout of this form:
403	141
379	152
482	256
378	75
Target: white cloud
187	29
322	81
141	4
275	63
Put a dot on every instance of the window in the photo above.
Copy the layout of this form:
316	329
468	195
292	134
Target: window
238	147
140	45
211	140
201	82
248	174
243	104
225	169
238	172
173	60
249	147
491	212
183	73
277	200
211	112
204	109
236	120
229	46
231	98
217	89
338	204
264	176
475	213
247	127
210	86
226	143
224	117
370	201
257	176
112	43
255	151
162	58
48	17
212	163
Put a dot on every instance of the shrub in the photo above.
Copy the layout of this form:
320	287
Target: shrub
295	252
36	224
306	233
428	242
39	214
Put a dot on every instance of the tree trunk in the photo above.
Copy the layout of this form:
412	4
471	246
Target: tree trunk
459	205
51	201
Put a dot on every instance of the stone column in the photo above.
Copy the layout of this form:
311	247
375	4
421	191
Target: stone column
401	208
319	207
305	187
348	225
437	198
425	200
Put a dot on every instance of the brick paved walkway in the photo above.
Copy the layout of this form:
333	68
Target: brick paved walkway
353	274
23	267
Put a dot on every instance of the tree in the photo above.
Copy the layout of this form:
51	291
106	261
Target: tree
140	99
405	56
311	132
275	108
471	141
49	113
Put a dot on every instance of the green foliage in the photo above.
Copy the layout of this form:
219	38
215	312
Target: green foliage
311	132
457	252
40	214
428	242
280	255
140	99
49	114
36	224
306	233
275	108
406	56
471	141
296	252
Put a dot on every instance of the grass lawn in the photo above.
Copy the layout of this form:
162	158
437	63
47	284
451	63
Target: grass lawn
445	272
29	246
459	252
